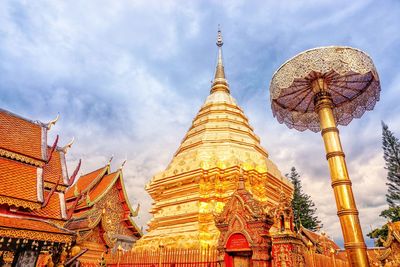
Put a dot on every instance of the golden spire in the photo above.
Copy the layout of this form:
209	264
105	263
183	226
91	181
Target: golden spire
220	83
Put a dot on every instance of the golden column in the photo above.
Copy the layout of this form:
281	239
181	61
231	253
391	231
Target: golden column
317	90
341	184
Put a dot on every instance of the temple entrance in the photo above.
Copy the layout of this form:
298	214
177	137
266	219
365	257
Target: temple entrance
238	251
240	260
244	231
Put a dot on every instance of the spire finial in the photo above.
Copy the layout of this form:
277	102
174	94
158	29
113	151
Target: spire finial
220	83
109	161
220	42
122	165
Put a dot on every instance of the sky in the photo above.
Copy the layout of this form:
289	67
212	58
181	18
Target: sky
128	77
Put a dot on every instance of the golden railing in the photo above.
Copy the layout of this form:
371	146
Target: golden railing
165	257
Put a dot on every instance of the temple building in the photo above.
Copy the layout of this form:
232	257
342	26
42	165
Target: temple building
103	216
319	241
389	253
205	171
33	180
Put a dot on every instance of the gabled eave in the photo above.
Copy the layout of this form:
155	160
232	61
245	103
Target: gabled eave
127	207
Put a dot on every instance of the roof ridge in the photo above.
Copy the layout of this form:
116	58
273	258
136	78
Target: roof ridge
92	171
96	179
37	122
93	188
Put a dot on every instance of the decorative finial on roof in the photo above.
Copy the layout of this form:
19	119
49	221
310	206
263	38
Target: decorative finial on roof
135	213
75	173
220	83
109	161
122	165
52	122
67	146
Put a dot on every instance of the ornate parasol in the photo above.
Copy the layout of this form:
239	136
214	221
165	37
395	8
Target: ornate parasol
317	90
350	78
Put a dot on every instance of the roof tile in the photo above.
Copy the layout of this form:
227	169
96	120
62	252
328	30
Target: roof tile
20	135
29	224
84	181
52	171
316	237
100	188
18	180
52	209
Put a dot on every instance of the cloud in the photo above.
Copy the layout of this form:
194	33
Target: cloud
128	78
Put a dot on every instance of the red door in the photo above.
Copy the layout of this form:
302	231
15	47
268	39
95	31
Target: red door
238	251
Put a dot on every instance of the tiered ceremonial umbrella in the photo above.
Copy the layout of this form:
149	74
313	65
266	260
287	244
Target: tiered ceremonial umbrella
317	90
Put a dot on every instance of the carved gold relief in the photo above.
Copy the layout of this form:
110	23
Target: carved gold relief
19	157
53	237
19	203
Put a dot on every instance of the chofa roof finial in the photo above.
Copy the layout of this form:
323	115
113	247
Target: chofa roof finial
67	146
52	122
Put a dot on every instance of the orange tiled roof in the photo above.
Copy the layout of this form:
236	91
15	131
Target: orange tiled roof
20	135
127	207
18	180
314	237
85	180
24	223
31	228
52	171
105	183
52	209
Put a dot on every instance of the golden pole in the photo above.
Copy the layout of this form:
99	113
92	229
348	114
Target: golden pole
341	184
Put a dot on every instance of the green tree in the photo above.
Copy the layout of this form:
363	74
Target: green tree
303	207
391	155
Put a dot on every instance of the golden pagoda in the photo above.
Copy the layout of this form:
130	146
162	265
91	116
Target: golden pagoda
205	170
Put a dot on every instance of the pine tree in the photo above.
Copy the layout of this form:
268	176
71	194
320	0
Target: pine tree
303	207
391	155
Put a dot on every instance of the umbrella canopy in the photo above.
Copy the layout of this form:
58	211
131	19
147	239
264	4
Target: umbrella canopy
350	77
